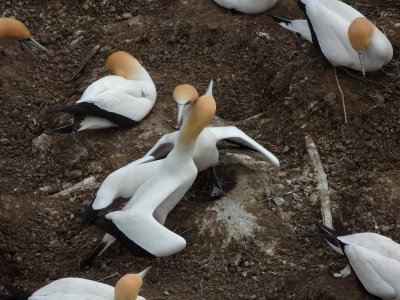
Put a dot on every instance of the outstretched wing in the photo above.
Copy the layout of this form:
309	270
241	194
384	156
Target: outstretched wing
105	195
137	227
235	135
164	146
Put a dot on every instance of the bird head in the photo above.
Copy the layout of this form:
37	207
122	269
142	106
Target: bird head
360	33
203	111
15	30
123	64
128	286
184	95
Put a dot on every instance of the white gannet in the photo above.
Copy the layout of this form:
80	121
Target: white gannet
127	288
206	154
342	35
156	186
374	258
122	99
247	6
15	30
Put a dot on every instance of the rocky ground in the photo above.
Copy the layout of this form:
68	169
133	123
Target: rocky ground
270	83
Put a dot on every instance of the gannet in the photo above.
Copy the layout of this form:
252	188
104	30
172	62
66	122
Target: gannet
342	35
127	288
122	99
157	186
14	30
374	258
206	154
247	6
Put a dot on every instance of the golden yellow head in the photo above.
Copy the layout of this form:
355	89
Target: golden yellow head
123	64
13	29
185	93
201	115
360	33
128	287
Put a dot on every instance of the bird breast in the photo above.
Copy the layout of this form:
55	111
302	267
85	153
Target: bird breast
206	154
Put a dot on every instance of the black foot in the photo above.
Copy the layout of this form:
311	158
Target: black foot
217	189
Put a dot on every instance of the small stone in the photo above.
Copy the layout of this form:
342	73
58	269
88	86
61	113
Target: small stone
41	143
278	201
126	16
166	293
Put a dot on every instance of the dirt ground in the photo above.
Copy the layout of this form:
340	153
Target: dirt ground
269	82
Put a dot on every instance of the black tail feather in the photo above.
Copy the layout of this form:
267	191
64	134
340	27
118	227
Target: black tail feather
280	19
330	234
16	293
109	227
73	109
67	127
89	215
93	254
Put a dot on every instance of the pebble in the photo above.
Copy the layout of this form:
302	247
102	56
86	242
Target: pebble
278	201
126	16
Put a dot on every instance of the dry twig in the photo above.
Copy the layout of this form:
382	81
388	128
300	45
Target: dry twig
84	63
322	182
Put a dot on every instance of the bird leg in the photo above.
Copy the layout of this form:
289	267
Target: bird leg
341	93
217	190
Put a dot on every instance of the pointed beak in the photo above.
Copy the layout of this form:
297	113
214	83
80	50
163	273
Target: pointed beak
144	272
181	109
104	70
31	42
210	88
362	62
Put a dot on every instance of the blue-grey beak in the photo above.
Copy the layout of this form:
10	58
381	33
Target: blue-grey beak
361	56
31	42
181	110
144	272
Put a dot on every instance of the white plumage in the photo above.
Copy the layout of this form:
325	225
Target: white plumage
344	36
72	288
206	153
117	100
156	186
374	258
247	6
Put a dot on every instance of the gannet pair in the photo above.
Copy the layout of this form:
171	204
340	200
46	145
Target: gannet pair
122	99
157	187
14	30
247	6
206	154
374	258
342	35
127	288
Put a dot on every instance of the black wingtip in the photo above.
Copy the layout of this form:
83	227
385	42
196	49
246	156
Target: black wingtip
280	19
109	227
89	215
92	254
65	128
330	234
324	229
16	293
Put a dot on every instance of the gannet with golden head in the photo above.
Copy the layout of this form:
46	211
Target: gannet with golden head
206	153
12	29
127	288
374	258
156	186
122	99
342	35
247	6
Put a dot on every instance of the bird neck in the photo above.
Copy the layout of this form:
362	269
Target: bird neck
139	73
